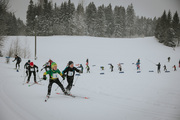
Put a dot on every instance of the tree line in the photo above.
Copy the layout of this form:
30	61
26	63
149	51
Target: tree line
168	29
45	18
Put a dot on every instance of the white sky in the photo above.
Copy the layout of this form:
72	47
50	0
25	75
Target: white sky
147	8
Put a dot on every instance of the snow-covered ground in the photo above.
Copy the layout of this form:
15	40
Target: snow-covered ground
112	96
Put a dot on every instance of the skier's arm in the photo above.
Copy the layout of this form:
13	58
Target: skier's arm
36	67
25	65
65	70
14	59
77	70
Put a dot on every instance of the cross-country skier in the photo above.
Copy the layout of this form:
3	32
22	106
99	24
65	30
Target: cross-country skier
81	68
87	62
111	67
159	67
165	69
32	70
174	67
69	72
54	72
120	67
169	59
18	61
138	64
88	69
26	66
47	65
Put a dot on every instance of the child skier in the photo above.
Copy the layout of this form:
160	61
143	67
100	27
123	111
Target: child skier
174	67
111	67
159	68
138	64
47	65
26	66
120	67
88	69
32	69
18	59
169	59
165	69
53	72
69	72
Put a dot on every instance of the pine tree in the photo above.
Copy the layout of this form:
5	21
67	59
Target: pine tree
109	21
130	19
30	16
91	19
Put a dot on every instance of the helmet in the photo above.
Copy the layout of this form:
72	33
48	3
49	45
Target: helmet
53	65
31	64
70	62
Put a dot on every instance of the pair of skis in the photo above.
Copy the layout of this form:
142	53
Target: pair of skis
70	95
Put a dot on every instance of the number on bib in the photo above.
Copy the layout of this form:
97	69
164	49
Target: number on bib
55	75
70	73
32	69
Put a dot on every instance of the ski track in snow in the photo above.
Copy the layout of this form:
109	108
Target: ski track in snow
127	96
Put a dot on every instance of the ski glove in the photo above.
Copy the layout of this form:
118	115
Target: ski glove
44	77
37	70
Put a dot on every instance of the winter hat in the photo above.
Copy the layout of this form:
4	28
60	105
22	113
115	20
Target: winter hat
31	64
53	64
29	61
70	62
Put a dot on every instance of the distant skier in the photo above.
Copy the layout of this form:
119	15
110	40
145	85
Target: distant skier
32	69
174	67
120	67
159	67
88	69
53	72
165	69
138	64
111	67
47	65
18	61
26	66
169	59
81	67
87	62
69	72
179	63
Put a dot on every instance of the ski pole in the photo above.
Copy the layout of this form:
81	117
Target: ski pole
75	80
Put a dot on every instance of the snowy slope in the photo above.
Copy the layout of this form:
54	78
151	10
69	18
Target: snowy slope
127	96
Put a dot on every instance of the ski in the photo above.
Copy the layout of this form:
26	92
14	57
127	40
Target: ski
74	96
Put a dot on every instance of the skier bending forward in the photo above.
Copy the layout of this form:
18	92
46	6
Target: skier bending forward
70	71
53	72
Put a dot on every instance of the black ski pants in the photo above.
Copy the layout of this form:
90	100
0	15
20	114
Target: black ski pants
51	81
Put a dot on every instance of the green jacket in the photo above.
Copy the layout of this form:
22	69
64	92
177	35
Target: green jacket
53	73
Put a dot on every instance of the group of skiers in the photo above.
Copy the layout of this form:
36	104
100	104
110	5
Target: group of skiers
165	68
69	72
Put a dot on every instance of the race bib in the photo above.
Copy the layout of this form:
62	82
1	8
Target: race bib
70	73
32	69
48	69
55	75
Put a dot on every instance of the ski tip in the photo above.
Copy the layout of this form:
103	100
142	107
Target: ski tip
58	93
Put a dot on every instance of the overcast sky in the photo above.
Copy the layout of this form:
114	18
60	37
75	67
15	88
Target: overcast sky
147	8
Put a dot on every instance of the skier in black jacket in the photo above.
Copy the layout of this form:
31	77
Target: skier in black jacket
70	72
26	66
159	68
32	69
18	59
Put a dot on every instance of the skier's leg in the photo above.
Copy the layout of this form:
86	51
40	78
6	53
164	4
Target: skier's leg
70	83
29	76
34	73
60	85
50	86
16	65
